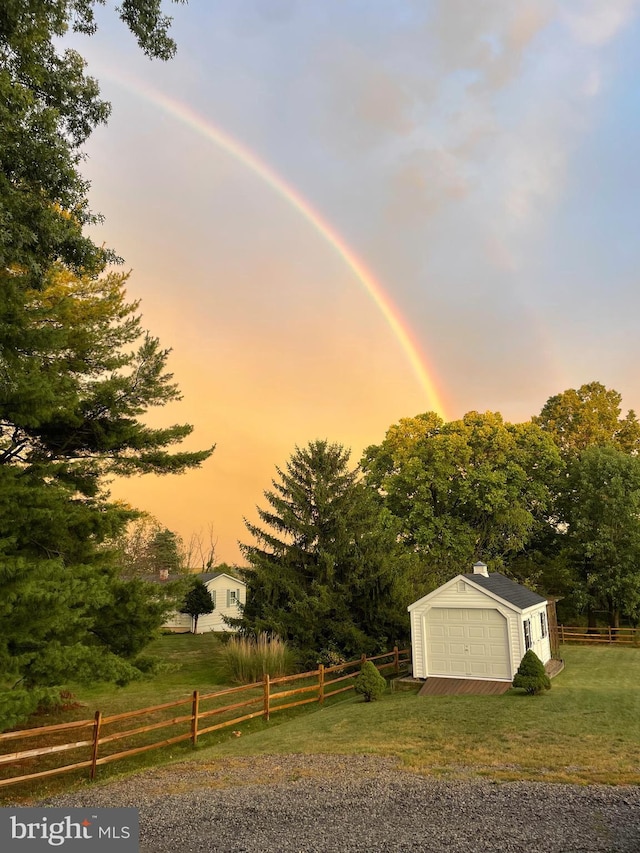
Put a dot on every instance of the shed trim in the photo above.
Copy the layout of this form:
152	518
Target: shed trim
467	579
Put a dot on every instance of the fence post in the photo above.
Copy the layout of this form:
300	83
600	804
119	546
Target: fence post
195	705
396	659
321	683
562	633
94	750
609	633
363	659
266	695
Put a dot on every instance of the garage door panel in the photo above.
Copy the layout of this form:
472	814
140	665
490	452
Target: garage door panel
467	642
453	617
475	615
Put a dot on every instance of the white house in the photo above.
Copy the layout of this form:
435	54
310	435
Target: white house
478	626
227	593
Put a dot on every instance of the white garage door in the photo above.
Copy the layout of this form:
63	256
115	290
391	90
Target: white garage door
467	643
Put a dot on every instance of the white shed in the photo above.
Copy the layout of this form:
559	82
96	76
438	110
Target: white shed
478	626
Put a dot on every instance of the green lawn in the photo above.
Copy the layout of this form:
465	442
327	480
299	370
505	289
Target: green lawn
585	729
187	662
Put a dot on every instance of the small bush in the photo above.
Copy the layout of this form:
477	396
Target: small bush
328	657
369	683
531	675
247	659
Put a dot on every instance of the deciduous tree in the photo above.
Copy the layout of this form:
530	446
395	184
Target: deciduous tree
465	490
48	109
601	511
588	416
599	447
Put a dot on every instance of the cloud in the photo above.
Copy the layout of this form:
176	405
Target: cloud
488	38
255	18
597	22
593	83
363	102
276	11
425	180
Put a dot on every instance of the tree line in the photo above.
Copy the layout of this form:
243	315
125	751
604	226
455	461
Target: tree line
553	503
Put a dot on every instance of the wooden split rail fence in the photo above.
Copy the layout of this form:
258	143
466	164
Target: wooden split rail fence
263	698
617	636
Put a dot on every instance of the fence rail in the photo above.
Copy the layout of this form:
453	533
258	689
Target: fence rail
617	636
264	697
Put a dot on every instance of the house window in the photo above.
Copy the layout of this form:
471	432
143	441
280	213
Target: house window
233	597
462	587
212	593
544	628
527	634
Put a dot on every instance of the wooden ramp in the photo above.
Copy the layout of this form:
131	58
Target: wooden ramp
463	687
553	667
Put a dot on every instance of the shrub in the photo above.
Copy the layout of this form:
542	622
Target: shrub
328	657
369	683
531	675
247	659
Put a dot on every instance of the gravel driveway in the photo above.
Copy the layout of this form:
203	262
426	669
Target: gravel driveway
278	804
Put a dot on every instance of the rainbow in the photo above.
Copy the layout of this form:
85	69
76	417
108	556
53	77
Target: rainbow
242	154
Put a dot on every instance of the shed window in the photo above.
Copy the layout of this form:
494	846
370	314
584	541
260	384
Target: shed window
212	593
527	634
233	597
544	628
462	587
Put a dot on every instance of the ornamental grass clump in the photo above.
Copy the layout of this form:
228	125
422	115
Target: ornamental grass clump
531	675
247	659
369	683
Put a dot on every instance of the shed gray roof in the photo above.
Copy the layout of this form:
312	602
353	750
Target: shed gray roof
507	589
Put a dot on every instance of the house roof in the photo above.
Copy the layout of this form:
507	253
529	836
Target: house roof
508	590
208	576
203	576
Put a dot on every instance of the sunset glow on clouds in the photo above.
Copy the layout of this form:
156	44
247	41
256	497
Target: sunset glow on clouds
479	159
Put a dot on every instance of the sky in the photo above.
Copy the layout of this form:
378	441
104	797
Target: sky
338	214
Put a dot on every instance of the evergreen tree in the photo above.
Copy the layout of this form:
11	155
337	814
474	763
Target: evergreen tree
70	413
164	552
369	683
531	675
325	569
77	373
197	603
